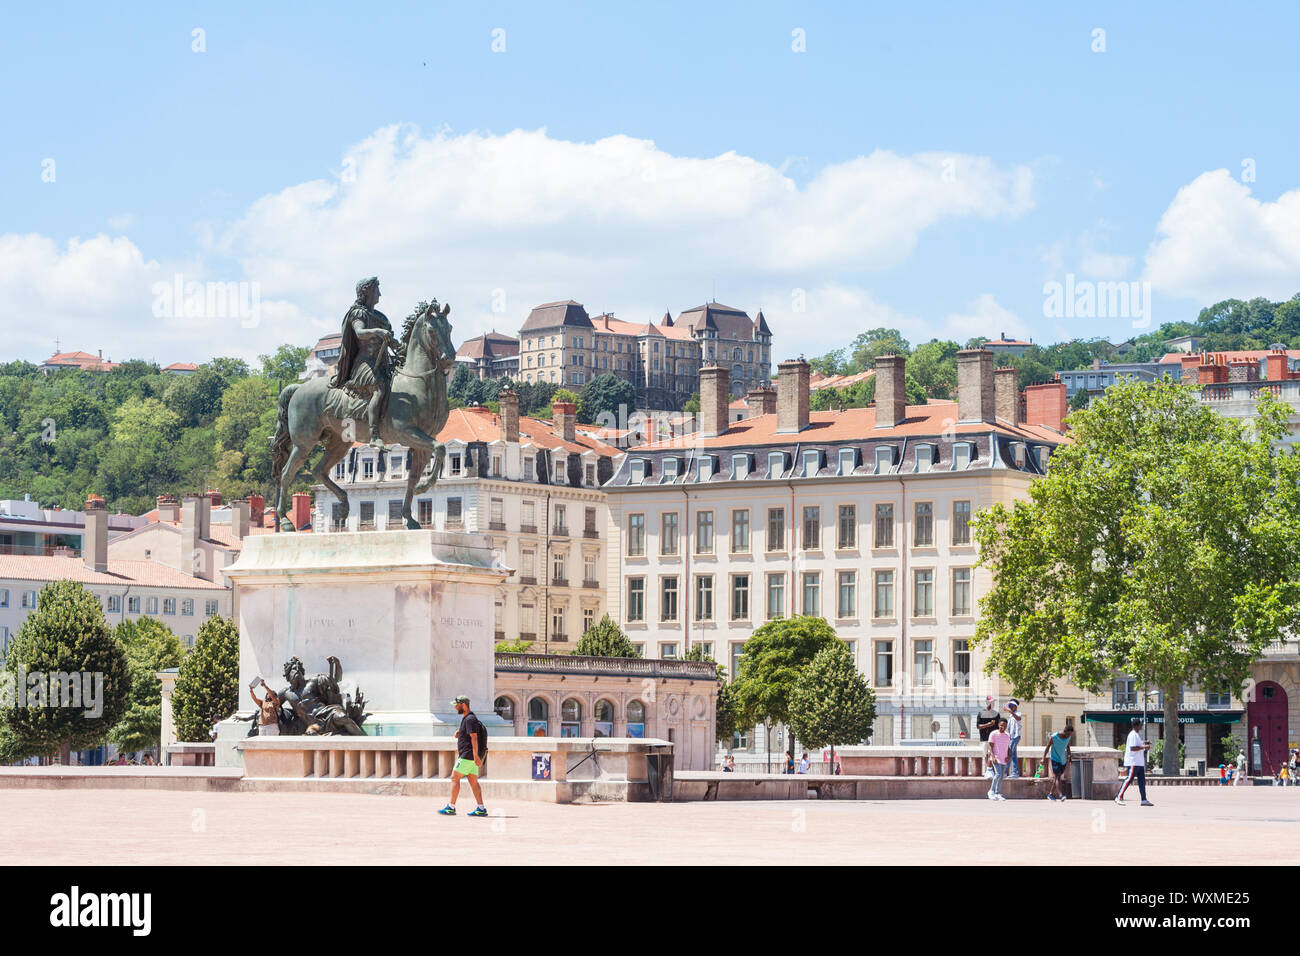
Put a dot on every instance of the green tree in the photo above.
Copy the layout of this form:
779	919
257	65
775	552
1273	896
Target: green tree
285	366
65	635
604	394
1232	747
517	646
831	703
870	345
207	686
775	654
692	405
564	395
1161	544
605	639
150	647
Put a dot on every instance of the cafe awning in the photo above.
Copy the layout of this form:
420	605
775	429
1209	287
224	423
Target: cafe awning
1158	717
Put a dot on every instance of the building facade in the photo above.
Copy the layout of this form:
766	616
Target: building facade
491	355
860	516
531	486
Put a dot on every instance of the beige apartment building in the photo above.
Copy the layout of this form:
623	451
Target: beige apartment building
860	516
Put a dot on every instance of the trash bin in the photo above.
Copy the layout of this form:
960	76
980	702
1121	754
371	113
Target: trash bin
1081	779
1200	768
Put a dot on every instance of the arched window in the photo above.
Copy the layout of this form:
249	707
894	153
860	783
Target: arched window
571	718
505	708
604	714
636	719
537	717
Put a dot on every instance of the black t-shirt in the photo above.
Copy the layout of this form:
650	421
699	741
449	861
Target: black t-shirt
470	724
991	719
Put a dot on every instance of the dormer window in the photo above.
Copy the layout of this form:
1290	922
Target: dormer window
925	456
1043	453
962	453
776	464
739	467
884	459
848	460
670	469
1018	453
638	471
706	468
455	463
561	470
812	463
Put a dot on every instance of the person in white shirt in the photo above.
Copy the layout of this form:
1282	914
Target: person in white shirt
1135	758
1015	724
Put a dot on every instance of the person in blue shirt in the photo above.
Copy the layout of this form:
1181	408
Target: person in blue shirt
1058	748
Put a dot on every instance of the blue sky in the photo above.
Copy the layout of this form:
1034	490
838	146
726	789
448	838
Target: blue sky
1066	160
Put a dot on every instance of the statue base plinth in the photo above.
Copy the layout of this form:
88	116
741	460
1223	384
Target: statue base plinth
409	615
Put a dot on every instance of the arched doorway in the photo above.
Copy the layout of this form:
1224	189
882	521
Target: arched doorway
537	717
1266	722
571	718
604	714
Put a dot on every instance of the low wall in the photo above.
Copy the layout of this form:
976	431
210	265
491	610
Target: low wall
190	755
621	769
715	785
965	760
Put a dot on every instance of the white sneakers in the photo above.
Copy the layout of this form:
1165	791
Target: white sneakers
995	796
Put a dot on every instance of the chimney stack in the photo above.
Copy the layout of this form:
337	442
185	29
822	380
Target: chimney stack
1275	366
239	515
1006	394
762	401
95	543
565	416
215	498
196	527
715	394
256	505
891	390
975	385
169	509
792	396
508	402
1046	405
300	512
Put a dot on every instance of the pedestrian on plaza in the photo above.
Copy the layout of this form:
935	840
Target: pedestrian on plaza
804	764
1058	747
1000	748
1014	728
789	761
1241	768
986	721
1135	759
1223	775
729	765
268	719
471	749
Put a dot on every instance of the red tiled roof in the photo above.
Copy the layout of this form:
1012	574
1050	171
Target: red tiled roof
181	367
854	424
82	360
839	381
1248	355
481	424
120	572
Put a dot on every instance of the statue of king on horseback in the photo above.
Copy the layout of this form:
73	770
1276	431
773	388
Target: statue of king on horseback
398	387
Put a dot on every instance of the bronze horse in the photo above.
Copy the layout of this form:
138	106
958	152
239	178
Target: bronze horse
312	413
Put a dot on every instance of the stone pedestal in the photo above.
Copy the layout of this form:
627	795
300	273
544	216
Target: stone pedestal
409	615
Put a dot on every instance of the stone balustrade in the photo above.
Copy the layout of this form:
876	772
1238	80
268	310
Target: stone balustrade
618	666
966	760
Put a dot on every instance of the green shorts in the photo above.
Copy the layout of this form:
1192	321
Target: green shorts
465	767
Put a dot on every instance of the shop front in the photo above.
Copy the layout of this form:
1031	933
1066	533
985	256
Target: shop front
1201	732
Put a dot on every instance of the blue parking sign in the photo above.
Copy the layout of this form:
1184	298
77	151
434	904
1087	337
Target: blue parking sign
541	766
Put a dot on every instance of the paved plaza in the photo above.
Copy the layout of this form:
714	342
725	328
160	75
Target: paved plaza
1190	825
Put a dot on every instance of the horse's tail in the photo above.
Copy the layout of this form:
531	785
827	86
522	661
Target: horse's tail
281	443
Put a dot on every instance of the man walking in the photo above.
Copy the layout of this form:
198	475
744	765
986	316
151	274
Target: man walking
1135	758
1058	748
1241	768
471	748
1000	748
1014	727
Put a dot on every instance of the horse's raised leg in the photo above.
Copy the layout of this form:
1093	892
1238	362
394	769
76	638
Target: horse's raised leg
290	472
418	460
336	449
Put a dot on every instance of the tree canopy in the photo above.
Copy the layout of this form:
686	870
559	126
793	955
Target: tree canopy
775	654
150	646
1162	545
605	639
830	703
207	686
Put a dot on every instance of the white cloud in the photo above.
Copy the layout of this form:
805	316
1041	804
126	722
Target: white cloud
509	221
1217	241
984	317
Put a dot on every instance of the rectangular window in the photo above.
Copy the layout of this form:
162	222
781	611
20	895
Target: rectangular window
636	599
848	594
528	516
740	531
132	605
187	607
557	624
848	527
704	597
367	468
454	514
114	603
775	596
151	605
169	606
737	655
961	663
530	470
775	529
589	517
559	568
848	461
635	536
209	608
528	565
394	510
884	664
561	519
740	597
884	606
455	464
668	532
29	599
589	475
668	598
812	593
775	464
425	508
812	528
812	463
923	663
884	526
961	522
4	597
961	592
923	526
704	532
923	600
668	652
